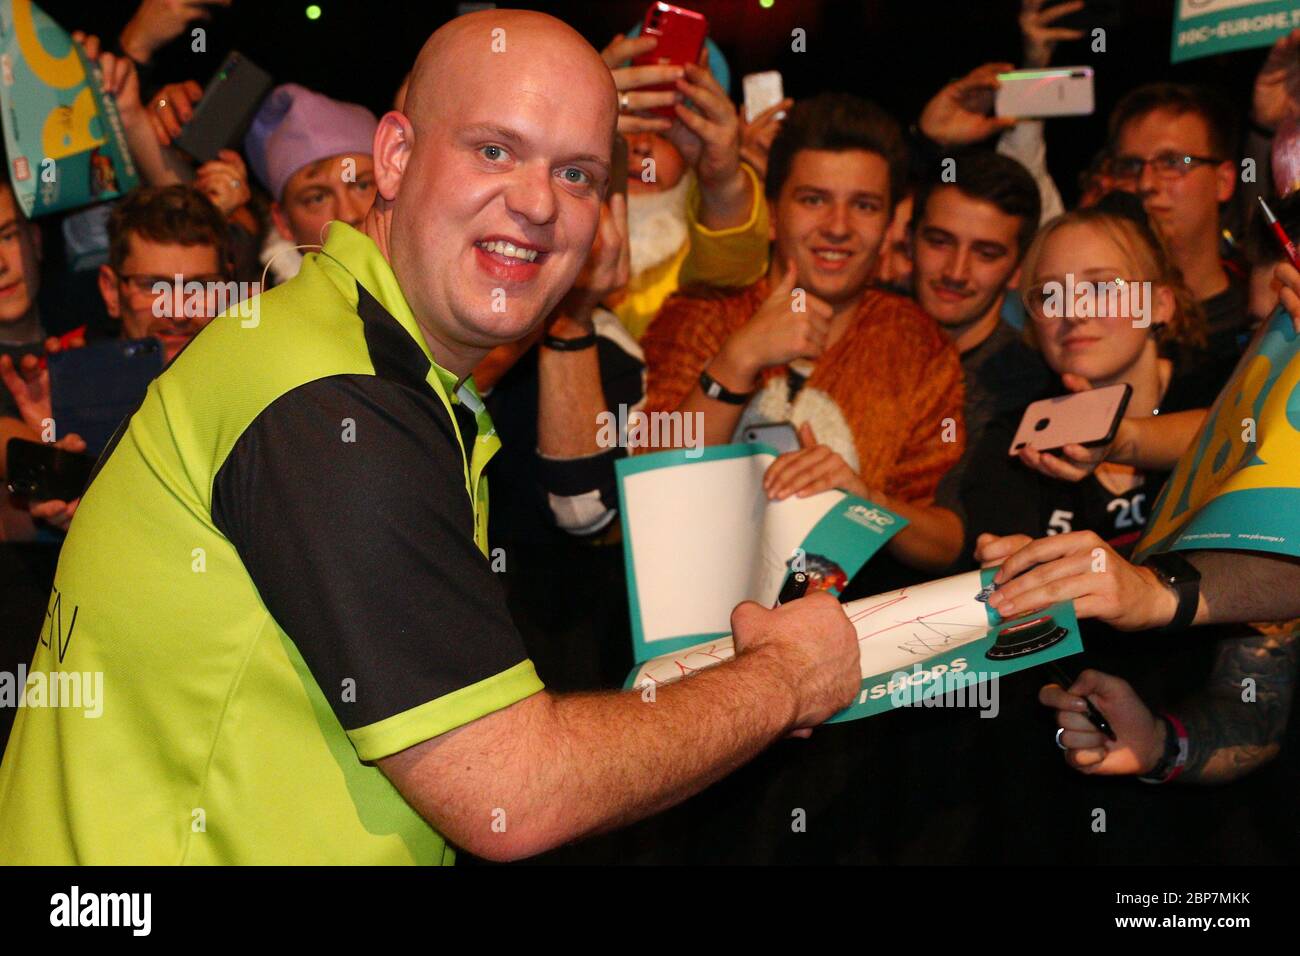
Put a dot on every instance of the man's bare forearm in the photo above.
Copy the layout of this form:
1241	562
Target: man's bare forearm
1242	586
570	398
1238	724
932	539
551	769
727	204
1156	443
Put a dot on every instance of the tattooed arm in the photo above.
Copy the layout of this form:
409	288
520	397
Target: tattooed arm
1229	734
1232	727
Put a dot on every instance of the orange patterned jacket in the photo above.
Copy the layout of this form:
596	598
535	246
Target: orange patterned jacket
885	396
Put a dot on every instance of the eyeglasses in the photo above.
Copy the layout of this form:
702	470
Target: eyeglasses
1167	165
1107	299
142	285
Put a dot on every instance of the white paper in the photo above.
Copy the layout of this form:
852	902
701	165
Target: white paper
704	537
895	630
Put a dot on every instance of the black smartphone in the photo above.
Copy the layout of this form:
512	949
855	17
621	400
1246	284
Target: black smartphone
230	100
1106	14
94	388
46	473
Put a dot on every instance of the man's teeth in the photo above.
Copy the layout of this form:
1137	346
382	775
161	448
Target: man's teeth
508	249
833	255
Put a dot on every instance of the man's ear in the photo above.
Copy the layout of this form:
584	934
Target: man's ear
109	291
1162	304
1013	280
394	140
281	222
1226	174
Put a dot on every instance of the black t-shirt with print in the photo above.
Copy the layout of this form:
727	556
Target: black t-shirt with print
1002	496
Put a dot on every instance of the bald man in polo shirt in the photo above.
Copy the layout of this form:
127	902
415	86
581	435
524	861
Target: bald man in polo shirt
280	567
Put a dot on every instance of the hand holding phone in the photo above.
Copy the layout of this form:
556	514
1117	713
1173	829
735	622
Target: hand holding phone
47	472
762	92
680	34
1084	418
226	108
1036	94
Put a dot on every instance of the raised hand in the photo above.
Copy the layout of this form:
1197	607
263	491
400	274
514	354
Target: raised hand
225	181
1039	34
1277	85
776	334
157	22
630	81
756	137
957	115
707	132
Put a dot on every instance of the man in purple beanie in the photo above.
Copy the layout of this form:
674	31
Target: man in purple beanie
312	154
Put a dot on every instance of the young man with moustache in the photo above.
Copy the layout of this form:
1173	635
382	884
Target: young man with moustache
967	240
324	670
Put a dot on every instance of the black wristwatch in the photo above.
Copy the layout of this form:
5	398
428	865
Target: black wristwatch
1177	573
570	345
713	388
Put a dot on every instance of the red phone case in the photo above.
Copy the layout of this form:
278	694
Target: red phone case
681	34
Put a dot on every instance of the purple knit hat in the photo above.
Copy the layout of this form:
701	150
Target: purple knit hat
296	127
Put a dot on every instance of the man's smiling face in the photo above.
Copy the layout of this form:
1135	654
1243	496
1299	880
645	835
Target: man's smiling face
500	198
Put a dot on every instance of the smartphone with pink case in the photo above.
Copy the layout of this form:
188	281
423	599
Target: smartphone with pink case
1083	418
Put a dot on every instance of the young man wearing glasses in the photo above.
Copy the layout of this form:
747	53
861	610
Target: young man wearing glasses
157	235
1174	146
168	237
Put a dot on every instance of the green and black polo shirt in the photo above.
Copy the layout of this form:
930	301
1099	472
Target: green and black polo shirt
280	569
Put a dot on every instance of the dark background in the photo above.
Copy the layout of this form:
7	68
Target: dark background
897	52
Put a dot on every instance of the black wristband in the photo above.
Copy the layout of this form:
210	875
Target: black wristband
1178	574
715	390
569	345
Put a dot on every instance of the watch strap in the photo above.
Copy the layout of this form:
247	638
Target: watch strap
570	345
1178	574
715	390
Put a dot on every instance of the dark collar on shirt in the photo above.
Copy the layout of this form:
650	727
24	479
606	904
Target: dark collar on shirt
392	351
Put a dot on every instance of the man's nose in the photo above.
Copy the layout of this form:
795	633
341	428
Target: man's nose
353	206
1147	182
836	222
957	267
531	194
639	144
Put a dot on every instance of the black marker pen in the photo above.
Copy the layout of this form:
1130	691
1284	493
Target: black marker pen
795	587
1093	714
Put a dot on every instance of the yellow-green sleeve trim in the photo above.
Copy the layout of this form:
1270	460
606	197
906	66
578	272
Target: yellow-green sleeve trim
448	712
758	207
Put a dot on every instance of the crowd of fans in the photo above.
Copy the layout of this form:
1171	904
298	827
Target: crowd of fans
923	340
